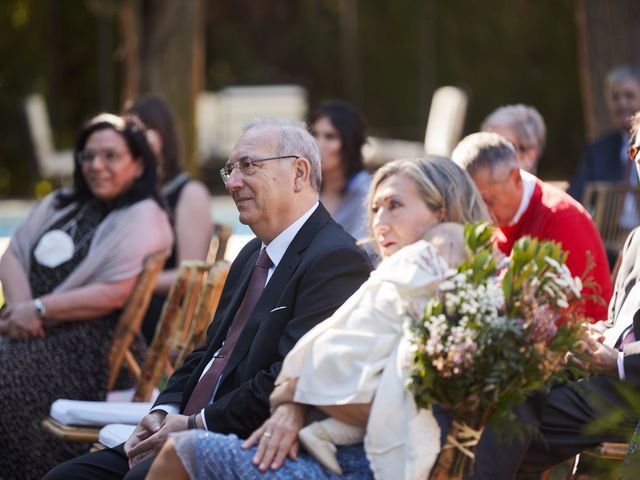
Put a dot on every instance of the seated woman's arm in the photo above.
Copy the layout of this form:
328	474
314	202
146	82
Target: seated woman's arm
89	301
194	228
20	320
15	284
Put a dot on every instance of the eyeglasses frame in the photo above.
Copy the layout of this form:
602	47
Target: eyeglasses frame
226	176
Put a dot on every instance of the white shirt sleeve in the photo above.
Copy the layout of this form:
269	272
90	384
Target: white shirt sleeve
167	407
204	420
621	365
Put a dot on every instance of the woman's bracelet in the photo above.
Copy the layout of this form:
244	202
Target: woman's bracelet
191	422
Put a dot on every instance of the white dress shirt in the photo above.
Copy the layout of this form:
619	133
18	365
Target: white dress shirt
528	186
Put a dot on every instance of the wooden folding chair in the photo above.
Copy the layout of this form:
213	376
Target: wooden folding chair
177	315
130	320
127	328
605	201
184	303
218	245
207	305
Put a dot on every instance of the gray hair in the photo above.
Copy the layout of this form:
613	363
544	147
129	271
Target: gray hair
620	73
294	139
485	150
525	120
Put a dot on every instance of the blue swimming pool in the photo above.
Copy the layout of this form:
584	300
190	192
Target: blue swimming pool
13	213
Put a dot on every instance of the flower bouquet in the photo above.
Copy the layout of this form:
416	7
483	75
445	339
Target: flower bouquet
497	329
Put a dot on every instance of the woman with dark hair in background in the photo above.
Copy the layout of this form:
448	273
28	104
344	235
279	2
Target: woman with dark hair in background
341	133
69	269
186	200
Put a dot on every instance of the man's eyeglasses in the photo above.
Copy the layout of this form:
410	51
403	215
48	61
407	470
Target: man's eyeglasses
246	166
520	148
109	156
633	152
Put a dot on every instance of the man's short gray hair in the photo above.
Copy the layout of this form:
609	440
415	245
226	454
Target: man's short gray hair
295	139
526	122
485	150
620	73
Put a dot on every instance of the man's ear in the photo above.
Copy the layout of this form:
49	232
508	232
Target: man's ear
302	172
516	177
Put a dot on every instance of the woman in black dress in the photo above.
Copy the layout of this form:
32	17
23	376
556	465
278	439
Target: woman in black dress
68	271
186	200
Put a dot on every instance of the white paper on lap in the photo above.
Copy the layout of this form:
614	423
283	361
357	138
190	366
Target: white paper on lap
115	434
98	414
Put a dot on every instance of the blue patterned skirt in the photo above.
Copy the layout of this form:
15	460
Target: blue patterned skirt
207	455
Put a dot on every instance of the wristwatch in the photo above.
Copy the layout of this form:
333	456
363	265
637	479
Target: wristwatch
40	309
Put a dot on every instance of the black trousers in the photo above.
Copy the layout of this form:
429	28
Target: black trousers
558	420
567	411
107	464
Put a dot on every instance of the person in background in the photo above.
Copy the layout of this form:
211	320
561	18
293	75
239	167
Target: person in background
69	269
521	204
606	160
341	133
186	200
524	127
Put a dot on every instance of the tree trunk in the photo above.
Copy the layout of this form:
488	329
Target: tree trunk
163	43
608	36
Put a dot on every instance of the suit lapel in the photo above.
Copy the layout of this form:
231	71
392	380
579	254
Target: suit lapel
276	284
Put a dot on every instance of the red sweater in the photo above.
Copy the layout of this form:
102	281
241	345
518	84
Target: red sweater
553	215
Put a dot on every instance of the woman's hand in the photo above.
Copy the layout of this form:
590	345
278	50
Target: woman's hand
283	393
20	322
277	438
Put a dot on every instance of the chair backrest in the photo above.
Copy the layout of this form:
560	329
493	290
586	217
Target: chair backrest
51	163
615	209
207	305
130	320
446	120
190	294
222	115
223	233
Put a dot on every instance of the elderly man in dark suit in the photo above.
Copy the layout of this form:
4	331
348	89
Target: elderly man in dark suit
301	267
605	160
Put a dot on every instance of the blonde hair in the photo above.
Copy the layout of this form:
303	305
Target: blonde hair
443	186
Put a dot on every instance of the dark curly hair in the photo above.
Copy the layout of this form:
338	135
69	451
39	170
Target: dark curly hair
133	132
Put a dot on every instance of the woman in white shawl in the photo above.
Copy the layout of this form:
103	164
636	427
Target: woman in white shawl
68	270
350	366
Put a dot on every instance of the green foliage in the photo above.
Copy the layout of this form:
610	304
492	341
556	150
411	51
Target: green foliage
484	343
502	52
46	47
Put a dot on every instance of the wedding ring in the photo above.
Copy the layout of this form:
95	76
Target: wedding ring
266	434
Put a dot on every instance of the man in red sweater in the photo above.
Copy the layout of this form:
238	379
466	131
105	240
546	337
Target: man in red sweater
521	204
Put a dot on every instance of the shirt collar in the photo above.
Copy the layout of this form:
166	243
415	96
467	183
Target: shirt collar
278	246
528	186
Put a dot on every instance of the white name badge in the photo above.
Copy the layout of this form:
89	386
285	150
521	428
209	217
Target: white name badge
54	248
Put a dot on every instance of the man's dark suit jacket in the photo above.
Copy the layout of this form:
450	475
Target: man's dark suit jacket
321	269
628	275
600	163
